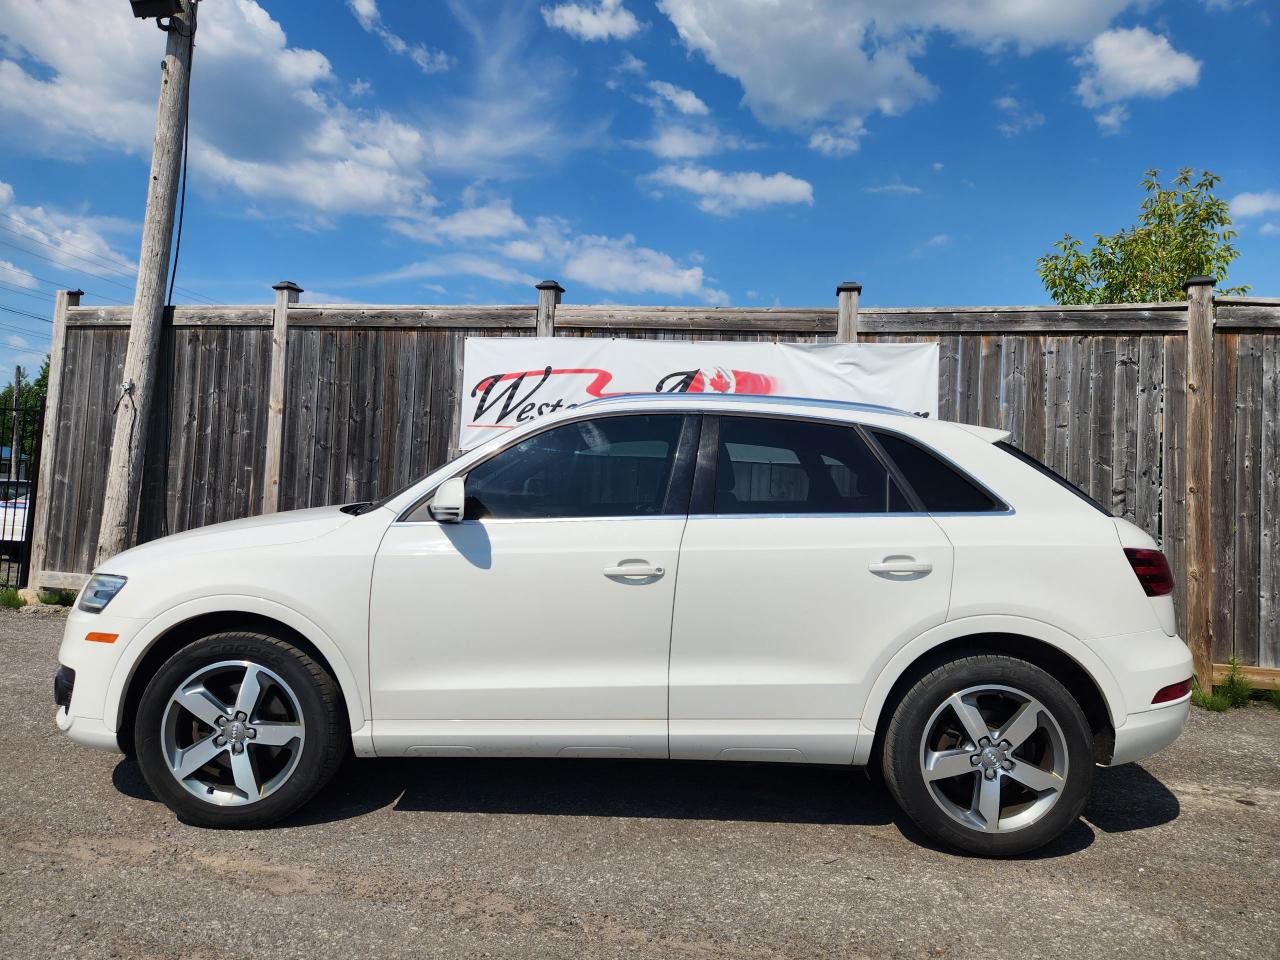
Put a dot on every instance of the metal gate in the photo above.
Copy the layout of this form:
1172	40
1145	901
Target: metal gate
21	428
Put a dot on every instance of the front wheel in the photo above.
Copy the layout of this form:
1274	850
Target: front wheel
239	730
990	755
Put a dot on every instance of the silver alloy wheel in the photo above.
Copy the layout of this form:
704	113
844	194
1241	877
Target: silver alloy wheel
232	733
994	758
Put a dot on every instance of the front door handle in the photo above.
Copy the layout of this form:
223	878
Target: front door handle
637	569
900	564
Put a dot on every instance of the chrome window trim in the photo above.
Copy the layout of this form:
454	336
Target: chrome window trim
498	521
843	516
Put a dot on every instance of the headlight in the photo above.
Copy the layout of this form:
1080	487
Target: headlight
99	591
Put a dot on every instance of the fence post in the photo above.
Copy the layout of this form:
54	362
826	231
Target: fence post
549	293
847	314
287	292
1200	550
52	405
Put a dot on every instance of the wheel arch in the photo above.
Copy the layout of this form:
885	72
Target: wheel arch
187	623
1069	660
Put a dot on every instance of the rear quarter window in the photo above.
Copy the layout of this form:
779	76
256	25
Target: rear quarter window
941	487
1052	474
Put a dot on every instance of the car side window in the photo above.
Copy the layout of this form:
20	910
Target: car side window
773	465
941	487
604	467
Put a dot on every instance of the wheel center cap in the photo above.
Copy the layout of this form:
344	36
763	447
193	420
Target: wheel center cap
990	758
237	732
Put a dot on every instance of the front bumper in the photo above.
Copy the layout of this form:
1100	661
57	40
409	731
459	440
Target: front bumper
87	668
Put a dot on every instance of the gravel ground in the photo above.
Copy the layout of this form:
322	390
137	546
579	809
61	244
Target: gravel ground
1178	856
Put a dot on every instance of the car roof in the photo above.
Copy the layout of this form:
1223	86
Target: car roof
716	400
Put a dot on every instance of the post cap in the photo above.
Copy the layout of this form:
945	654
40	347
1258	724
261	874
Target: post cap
75	293
849	286
286	285
550	285
1201	281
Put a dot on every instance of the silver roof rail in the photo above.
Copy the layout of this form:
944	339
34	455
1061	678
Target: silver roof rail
755	398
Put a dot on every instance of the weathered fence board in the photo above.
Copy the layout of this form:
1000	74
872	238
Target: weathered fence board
372	396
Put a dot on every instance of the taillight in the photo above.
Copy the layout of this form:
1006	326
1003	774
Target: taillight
1174	691
1152	570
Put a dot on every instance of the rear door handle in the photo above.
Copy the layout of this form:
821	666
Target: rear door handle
635	568
900	565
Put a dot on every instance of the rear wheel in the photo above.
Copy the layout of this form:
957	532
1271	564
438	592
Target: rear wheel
239	730
989	754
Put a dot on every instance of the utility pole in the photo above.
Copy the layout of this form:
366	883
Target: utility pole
128	439
17	433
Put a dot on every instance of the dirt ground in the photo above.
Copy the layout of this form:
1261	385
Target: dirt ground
1177	856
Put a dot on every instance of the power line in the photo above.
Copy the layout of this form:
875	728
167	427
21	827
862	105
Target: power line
91	260
24	313
59	285
34	294
113	260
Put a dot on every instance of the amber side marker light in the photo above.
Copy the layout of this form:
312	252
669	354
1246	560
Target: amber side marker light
1174	691
102	637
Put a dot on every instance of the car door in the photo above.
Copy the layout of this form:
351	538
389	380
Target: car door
803	562
541	623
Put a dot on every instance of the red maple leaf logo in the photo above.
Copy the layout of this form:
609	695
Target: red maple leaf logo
719	383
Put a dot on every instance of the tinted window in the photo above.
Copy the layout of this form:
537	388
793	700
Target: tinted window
941	487
793	466
606	467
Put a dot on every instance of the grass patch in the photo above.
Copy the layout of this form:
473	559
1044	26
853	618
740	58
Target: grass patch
58	598
11	598
1209	699
1275	699
1235	686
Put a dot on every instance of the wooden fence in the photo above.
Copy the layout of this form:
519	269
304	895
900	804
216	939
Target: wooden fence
294	405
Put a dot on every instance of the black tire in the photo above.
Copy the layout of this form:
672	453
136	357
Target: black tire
323	747
903	744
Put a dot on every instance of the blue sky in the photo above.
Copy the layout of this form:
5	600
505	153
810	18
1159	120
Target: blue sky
683	151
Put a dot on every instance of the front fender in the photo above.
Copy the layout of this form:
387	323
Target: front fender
354	693
907	655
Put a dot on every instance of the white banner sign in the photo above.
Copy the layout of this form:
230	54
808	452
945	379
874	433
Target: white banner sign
509	381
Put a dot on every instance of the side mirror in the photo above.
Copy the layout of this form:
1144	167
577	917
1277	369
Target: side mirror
450	501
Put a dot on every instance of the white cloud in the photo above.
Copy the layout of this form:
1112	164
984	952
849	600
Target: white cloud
678	141
685	101
1119	65
475	221
727	193
897	188
448	265
1112	119
296	147
618	265
814	64
15	342
74	242
604	20
1269	229
630	64
370	18
12	274
1018	117
937	166
936	242
838	141
1255	204
360	88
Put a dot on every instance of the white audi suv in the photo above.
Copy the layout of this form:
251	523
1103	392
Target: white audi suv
683	577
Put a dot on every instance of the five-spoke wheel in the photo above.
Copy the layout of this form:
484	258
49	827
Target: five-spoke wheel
989	754
233	732
239	729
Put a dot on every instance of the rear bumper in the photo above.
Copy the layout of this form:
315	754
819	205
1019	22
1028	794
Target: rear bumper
1148	732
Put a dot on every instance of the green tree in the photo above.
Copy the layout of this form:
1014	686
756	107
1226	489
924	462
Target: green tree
1182	231
31	396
